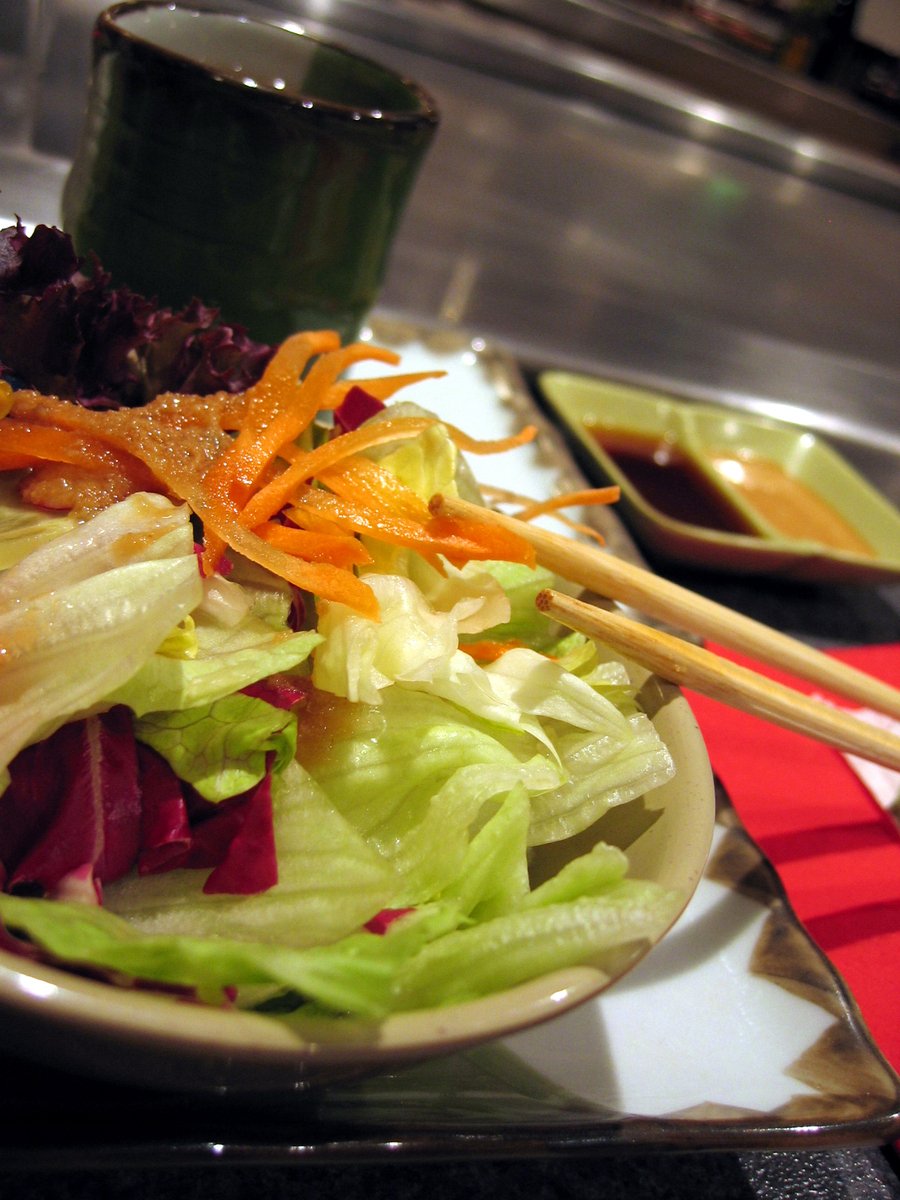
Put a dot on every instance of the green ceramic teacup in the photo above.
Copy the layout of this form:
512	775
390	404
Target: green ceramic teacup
243	163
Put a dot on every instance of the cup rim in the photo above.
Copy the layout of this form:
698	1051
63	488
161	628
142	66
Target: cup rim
426	114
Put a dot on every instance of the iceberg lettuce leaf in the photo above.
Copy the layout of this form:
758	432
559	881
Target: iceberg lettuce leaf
239	635
223	748
101	598
353	975
525	623
417	777
144	528
493	876
601	931
22	526
330	881
167	683
427	958
599	776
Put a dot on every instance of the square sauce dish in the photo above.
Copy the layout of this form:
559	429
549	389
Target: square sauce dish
712	488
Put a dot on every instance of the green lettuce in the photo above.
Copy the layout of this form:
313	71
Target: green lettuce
427	957
101	597
330	881
222	748
601	931
22	526
577	751
353	975
236	636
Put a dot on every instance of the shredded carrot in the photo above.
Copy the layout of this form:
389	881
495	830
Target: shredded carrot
343	550
278	381
410	523
262	403
492	446
17	462
312	394
283	409
315	522
55	457
487	650
246	466
324	580
273	497
587	496
382	387
232	478
42	443
370	484
528	508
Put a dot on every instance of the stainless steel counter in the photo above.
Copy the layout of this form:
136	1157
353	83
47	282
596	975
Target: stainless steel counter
666	39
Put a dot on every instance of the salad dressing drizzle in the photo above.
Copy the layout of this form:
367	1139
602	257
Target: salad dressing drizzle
323	722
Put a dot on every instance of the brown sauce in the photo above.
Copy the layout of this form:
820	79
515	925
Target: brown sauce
323	721
670	481
794	509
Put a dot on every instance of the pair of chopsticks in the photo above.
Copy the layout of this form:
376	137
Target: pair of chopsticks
691	666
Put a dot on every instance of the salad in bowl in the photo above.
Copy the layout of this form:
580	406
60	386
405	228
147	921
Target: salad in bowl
295	778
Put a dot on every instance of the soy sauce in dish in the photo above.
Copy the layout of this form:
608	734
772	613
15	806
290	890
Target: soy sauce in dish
670	480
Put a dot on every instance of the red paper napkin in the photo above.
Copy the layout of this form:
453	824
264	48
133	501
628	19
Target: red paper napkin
836	849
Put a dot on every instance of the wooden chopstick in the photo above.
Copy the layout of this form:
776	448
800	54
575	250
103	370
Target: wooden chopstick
693	667
612	577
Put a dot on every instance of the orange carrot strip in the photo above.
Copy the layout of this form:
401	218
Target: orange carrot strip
374	524
312	397
232	483
306	465
352	512
27	444
587	496
17	462
450	530
386	498
275	389
164	427
283	372
587	531
382	387
491	445
323	579
234	474
366	480
315	522
456	539
343	550
489	651
503	496
316	507
48	444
